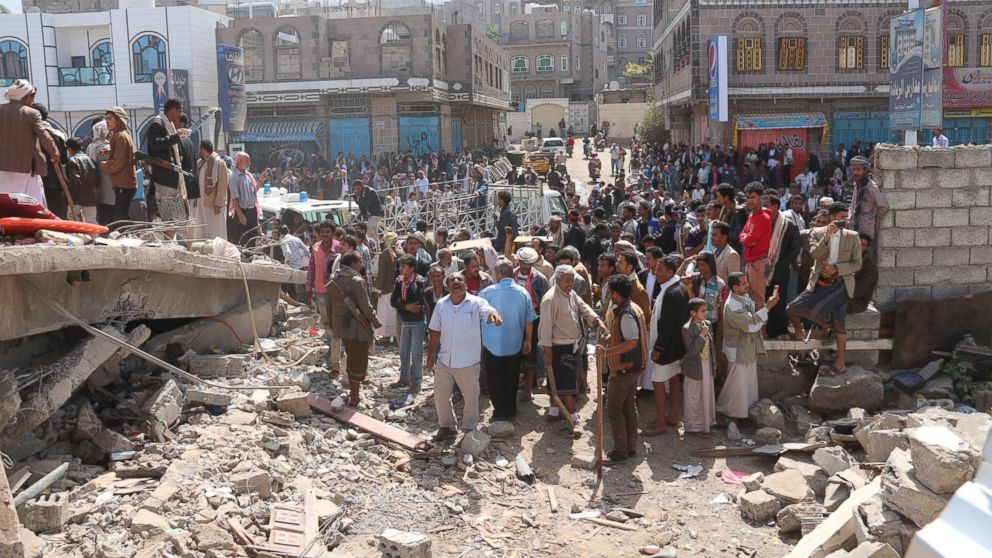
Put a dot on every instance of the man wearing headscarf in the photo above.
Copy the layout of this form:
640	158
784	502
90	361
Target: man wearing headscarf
23	136
99	151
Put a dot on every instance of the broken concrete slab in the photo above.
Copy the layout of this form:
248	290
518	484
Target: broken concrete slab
833	459
584	460
841	486
166	404
500	428
45	513
759	506
220	366
815	476
225	332
788	519
880	443
753	481
789	486
885	525
209	537
766	413
904	493
295	402
258	482
110	441
394	543
88	424
942	461
798	517
196	397
837	529
11	543
856	387
144	521
873	549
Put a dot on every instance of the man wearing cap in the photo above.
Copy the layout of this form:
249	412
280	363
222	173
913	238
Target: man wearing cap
868	203
23	136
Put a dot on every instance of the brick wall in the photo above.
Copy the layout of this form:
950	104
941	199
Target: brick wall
935	242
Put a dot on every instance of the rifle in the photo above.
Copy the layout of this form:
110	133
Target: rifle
159	162
352	307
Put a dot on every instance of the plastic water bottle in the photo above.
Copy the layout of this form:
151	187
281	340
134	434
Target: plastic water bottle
267	188
303	197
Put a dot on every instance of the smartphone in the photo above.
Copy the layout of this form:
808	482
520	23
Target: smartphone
775	292
840	224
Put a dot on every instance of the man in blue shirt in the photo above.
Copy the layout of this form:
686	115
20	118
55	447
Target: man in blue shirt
503	346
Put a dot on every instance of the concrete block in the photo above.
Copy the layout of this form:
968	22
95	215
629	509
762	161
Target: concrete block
879	443
145	520
905	494
972	156
888	221
926	199
210	537
220	366
88	424
914	218
960	255
981	255
788	519
916	180
933	237
833	459
897	158
895	277
887	259
914	257
767	436
883	524
936	158
950	217
873	549
940	292
970	197
816	477
788	487
295	402
856	387
166	404
402	544
753	481
930	275
837	529
970	236
949	179
981	216
759	506
203	397
258	482
902	199
942	461
969	274
983	177
870	319
897	238
919	292
111	442
45	513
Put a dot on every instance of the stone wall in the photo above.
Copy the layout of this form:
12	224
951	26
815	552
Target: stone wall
934	244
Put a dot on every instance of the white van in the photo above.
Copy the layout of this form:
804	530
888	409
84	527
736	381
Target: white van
553	145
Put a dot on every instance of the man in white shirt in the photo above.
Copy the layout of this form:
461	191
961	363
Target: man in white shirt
806	180
456	327
939	139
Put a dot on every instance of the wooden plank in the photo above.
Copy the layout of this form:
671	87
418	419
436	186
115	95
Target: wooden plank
239	532
724	452
18	478
552	500
470	244
608	523
369	424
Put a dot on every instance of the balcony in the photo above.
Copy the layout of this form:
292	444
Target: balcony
98	75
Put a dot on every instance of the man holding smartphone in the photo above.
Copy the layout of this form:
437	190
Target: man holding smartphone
836	252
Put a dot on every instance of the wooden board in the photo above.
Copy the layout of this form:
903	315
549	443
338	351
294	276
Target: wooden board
471	244
923	326
369	424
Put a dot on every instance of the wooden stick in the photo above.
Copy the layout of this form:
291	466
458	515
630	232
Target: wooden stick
552	500
608	523
599	416
554	391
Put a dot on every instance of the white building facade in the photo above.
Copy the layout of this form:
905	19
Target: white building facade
83	63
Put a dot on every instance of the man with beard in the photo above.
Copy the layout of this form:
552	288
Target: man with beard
868	203
352	319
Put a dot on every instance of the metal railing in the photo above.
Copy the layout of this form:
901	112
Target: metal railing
91	75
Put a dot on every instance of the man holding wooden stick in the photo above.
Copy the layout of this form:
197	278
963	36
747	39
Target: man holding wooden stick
562	335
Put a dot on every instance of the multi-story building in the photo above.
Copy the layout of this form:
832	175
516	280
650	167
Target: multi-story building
368	85
84	62
631	25
815	74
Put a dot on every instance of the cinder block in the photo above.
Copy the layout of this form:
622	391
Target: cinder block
969	274
925	179
983	177
939	158
914	257
930	275
920	292
981	216
869	320
902	199
948	217
888	221
885	296
981	255
45	513
896	277
940	292
973	156
166	404
932	198
203	397
949	179
219	366
914	218
970	236
294	402
258	482
960	255
886	259
897	158
970	197
933	237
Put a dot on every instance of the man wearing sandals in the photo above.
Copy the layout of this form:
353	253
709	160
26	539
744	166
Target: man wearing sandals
836	252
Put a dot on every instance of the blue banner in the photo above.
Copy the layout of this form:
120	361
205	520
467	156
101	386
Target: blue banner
170	83
906	70
717	69
231	87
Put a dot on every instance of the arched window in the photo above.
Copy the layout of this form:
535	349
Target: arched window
621	18
749	32
545	63
13	62
253	43
547	91
519	31
395	43
102	55
622	40
519	64
149	53
642	40
957	33
985	38
790	31
606	8
851	42
287	54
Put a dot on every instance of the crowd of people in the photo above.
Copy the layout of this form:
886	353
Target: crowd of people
674	271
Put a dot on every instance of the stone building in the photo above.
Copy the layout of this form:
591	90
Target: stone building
819	69
631	24
323	85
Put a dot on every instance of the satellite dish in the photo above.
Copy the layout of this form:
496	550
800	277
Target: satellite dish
614	85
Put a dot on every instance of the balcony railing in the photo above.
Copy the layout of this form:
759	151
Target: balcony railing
98	75
7	82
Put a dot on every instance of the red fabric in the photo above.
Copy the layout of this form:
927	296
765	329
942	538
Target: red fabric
23	205
757	235
796	138
472	284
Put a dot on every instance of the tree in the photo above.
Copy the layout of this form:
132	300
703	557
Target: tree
652	128
493	33
635	71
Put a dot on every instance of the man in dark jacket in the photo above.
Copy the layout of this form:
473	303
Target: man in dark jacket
506	219
352	319
369	206
669	314
189	154
83	177
54	195
786	235
165	142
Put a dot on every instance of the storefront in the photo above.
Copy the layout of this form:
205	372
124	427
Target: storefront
792	130
286	144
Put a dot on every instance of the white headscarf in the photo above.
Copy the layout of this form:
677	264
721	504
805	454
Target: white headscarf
19	89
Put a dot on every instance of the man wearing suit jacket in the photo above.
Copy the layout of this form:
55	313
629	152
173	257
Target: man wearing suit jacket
23	136
670	312
836	254
785	247
646	276
727	259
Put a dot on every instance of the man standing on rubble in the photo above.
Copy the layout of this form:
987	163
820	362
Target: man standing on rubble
456	327
22	163
241	186
868	203
322	254
165	143
352	319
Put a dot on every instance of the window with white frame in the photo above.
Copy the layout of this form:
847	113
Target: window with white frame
519	64
622	40
642	40
642	21
621	18
545	63
564	63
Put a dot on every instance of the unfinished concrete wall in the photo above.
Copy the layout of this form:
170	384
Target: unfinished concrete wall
934	244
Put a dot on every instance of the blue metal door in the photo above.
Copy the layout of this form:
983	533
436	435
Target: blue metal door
864	126
960	131
457	140
420	134
349	135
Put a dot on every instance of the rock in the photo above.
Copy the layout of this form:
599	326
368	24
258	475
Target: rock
759	506
753	481
650	549
902	492
942	460
475	443
733	433
768	435
584	460
788	519
258	482
211	537
885	525
404	544
295	402
501	429
206	397
766	413
841	486
111	442
878	444
873	549
667	552
617	515
818	434
45	513
788	486
145	520
815	476
802	417
856	387
833	459
857	413
166	404
88	425
941	387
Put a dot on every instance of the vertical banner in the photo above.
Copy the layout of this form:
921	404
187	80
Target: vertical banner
231	87
932	99
717	66
170	83
933	38
906	70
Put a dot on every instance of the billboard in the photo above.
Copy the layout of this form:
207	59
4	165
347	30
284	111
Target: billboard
931	99
968	87
717	66
906	70
933	38
170	83
231	87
